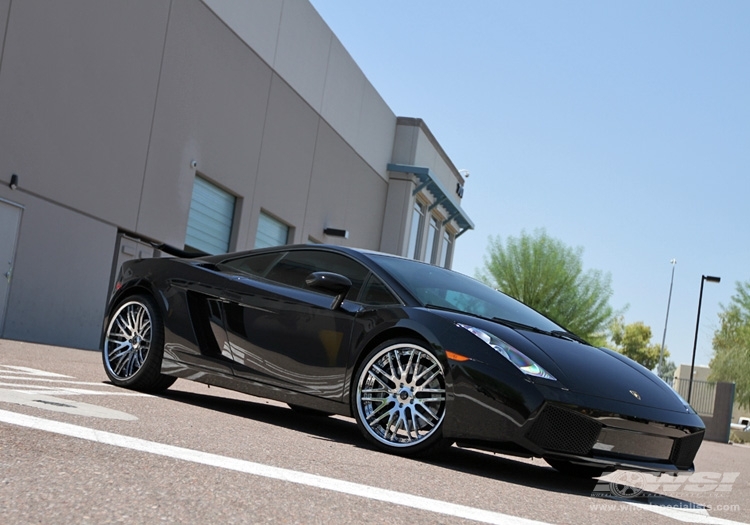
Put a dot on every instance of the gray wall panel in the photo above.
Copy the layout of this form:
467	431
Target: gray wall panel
331	188
398	216
377	129
344	93
302	51
61	276
77	89
345	193
365	208
286	157
255	21
308	56
405	145
211	108
4	8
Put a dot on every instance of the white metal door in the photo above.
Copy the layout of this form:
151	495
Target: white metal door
10	220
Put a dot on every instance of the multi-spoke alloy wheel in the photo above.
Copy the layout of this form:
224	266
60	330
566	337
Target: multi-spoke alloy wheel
133	346
399	397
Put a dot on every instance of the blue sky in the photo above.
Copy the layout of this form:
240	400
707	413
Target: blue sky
620	127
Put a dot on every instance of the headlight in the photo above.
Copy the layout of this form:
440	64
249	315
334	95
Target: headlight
523	363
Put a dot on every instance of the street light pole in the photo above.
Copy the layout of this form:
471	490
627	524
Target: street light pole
660	368
710	279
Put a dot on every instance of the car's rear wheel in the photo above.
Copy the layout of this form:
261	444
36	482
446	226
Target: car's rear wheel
134	346
398	398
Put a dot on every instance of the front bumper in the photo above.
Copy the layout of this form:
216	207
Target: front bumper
608	440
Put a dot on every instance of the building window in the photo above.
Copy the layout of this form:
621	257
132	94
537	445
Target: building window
445	249
209	227
415	236
271	232
433	239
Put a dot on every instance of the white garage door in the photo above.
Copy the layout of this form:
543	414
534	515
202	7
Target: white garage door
210	221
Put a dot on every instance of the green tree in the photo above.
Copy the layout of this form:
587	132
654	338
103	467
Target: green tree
547	275
731	343
668	369
634	341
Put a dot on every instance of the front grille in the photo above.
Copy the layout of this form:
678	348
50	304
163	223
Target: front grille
561	430
685	449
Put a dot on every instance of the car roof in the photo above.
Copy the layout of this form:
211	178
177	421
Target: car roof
295	247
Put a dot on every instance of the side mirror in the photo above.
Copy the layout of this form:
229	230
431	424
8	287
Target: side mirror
334	283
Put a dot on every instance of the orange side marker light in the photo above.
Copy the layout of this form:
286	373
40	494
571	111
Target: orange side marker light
453	356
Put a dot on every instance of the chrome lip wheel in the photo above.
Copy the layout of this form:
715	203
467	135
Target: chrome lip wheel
401	395
128	340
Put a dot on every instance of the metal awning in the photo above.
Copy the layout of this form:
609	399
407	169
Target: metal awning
427	180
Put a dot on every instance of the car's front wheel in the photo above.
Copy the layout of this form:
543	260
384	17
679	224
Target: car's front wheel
134	346
398	398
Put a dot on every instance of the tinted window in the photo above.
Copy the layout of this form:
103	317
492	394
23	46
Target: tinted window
253	264
376	292
294	268
432	285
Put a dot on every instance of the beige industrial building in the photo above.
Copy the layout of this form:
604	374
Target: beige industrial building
208	125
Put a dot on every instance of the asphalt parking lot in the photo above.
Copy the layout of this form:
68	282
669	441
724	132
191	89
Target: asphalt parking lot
75	449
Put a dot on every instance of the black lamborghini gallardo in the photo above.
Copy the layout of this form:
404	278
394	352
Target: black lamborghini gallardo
419	355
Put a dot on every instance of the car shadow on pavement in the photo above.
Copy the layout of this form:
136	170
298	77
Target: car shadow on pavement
335	429
612	487
465	460
541	476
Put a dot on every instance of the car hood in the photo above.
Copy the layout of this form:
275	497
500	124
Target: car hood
604	373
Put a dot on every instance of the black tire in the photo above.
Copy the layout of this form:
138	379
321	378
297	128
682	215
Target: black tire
134	346
575	470
398	398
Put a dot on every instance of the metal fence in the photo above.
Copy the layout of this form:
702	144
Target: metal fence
702	396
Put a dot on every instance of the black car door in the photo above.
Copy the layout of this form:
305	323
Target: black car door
284	334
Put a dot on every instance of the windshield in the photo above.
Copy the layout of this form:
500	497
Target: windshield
434	286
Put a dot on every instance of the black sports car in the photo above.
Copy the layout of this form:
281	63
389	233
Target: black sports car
419	355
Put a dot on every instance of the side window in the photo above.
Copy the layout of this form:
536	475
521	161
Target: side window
253	264
375	292
296	265
415	236
432	241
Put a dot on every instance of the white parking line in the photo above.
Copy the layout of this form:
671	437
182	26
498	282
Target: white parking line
46	401
26	371
41	379
31	381
64	391
258	469
684	515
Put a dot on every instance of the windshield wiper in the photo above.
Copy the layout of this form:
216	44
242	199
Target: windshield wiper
519	326
564	334
560	334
